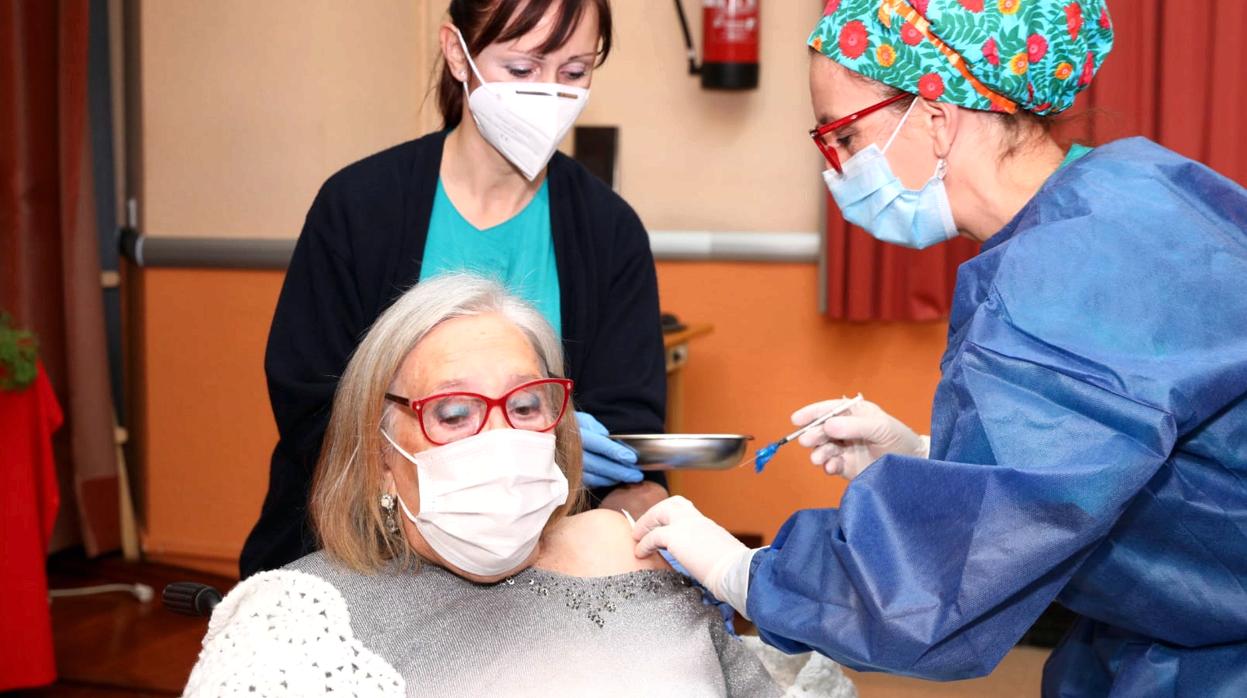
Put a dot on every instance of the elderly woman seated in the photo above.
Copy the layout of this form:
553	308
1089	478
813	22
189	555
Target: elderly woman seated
450	565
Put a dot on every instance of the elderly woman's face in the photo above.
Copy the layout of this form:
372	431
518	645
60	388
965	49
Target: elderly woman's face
484	354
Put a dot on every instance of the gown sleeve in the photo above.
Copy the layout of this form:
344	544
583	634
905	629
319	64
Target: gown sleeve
935	568
317	324
1089	413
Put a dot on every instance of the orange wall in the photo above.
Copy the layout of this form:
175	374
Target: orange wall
209	432
770	353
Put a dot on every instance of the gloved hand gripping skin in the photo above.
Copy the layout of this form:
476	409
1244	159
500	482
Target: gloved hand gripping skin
705	549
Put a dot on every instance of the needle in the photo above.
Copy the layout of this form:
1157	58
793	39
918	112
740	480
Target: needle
766	453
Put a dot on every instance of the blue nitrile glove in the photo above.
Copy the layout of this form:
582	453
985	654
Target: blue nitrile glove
606	462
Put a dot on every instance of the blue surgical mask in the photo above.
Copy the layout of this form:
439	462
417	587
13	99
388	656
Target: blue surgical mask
871	196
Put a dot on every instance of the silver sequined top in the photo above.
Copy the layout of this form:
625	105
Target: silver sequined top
542	633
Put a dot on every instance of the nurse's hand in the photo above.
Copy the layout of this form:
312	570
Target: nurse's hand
606	462
705	549
847	444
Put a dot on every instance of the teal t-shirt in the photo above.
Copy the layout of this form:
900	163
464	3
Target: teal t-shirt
518	253
1076	150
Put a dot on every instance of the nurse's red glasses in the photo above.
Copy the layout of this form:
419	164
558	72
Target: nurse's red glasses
818	133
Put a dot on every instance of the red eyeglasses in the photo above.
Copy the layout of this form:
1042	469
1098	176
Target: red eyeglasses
534	406
829	151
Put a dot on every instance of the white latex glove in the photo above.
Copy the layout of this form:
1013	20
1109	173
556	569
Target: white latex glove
847	444
710	554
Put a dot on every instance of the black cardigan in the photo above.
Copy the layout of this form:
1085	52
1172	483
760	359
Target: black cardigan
361	248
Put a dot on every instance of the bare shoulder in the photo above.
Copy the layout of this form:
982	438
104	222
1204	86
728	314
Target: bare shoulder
596	543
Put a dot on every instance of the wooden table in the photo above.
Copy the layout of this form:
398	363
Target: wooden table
676	344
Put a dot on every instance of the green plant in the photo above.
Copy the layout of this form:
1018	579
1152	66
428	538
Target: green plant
19	353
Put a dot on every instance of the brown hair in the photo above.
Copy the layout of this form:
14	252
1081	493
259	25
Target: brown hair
346	488
484	22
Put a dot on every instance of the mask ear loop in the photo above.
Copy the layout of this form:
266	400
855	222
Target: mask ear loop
398	448
896	131
407	512
471	64
941	165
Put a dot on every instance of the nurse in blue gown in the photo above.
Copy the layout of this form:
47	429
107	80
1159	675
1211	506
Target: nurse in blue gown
1088	443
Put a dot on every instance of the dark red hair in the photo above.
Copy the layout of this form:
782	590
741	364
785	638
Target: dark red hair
484	22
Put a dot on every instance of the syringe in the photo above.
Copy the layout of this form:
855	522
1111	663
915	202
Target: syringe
766	453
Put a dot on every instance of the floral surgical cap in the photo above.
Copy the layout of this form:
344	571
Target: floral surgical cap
999	55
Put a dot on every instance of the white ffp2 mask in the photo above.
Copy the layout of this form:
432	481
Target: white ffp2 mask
525	121
484	500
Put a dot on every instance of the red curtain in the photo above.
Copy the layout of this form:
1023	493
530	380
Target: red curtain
1176	75
49	254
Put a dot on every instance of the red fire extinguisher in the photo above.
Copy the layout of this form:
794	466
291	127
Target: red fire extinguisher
729	44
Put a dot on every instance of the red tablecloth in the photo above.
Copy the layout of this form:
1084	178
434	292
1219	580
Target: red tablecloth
28	501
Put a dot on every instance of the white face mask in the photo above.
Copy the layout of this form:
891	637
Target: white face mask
525	121
484	500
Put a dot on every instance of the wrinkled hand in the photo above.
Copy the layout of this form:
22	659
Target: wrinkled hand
702	547
606	462
847	444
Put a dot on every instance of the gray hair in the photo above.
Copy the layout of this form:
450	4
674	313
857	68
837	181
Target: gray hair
348	475
430	303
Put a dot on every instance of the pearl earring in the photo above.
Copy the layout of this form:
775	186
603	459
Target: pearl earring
387	506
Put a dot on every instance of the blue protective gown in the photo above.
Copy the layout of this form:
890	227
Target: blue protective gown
1089	446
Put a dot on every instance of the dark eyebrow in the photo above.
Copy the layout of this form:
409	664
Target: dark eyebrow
536	54
839	129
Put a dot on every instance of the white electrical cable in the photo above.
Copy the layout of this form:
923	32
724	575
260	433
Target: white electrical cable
142	592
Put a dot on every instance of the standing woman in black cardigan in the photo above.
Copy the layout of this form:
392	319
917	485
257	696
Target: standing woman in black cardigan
488	194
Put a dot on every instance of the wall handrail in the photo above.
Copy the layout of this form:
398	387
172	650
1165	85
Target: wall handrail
274	253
